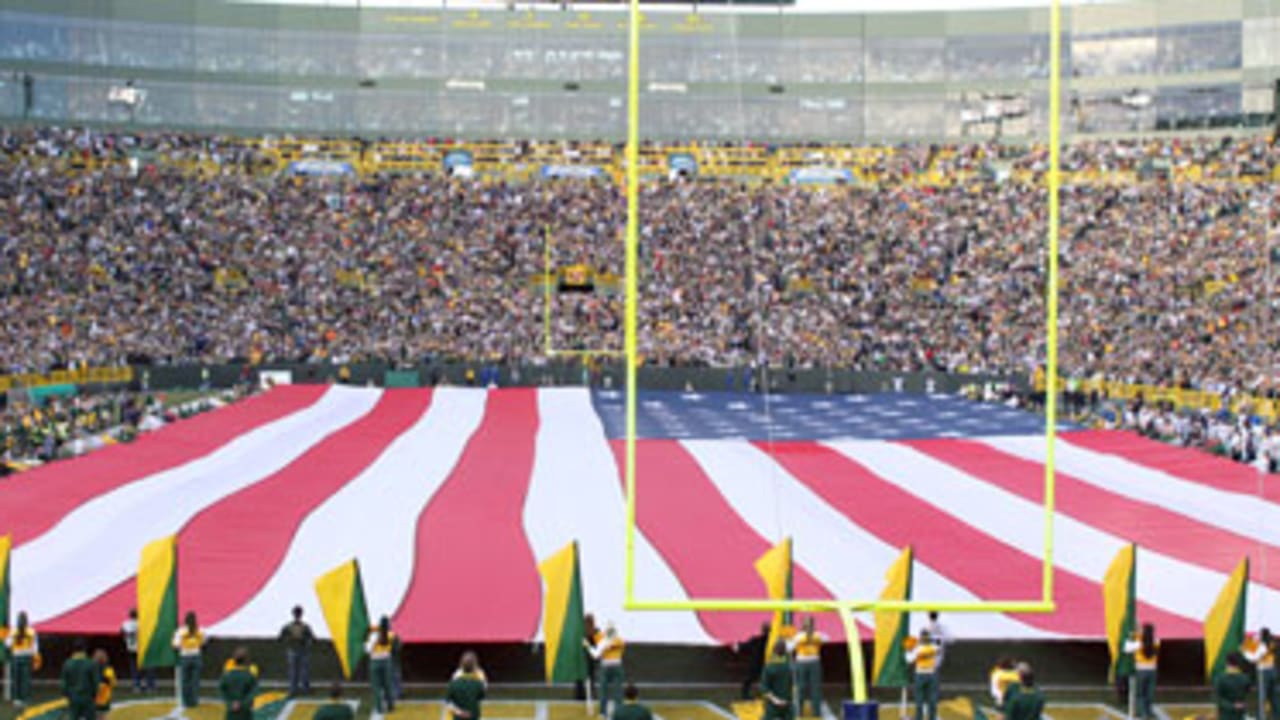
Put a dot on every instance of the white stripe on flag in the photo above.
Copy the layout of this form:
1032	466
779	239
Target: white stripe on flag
373	518
1173	585
1239	513
96	546
846	558
575	494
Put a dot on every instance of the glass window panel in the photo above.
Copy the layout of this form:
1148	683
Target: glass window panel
1120	54
992	57
905	117
1262	42
1198	107
1114	111
905	59
1198	48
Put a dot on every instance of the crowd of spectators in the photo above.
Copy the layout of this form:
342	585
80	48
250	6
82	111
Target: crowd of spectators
1161	283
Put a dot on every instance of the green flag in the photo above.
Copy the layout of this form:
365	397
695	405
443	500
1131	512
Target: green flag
1119	607
563	628
341	595
892	628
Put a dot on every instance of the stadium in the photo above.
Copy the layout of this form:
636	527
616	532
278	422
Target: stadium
726	360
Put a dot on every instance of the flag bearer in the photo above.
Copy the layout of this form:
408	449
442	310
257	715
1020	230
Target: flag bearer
1145	650
381	645
807	648
924	656
607	647
24	656
1261	651
189	641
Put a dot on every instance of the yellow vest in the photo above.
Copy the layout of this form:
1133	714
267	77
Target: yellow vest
24	645
103	697
381	650
612	653
1002	678
926	657
189	643
808	646
1268	659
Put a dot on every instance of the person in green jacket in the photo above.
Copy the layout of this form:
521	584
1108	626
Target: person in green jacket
631	709
466	689
1024	701
80	678
1231	689
238	687
776	684
336	708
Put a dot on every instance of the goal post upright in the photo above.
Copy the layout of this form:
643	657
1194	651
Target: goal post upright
1045	603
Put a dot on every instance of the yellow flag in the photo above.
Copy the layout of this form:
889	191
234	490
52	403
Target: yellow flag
774	568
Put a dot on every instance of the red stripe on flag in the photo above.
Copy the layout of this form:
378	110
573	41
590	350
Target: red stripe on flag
475	577
229	550
961	552
711	550
1189	464
33	502
1150	526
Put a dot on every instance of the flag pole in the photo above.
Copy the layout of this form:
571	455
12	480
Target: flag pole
902	704
1133	694
587	685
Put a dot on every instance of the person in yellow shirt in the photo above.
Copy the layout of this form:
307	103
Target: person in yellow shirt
106	683
924	657
381	645
189	641
1261	651
607	648
24	653
806	646
1145	649
1003	676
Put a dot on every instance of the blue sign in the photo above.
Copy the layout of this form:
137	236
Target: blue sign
571	171
320	168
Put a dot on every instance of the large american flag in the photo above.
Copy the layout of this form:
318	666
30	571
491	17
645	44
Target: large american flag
450	497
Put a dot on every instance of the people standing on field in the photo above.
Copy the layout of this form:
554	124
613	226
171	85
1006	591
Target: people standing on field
24	656
106	684
923	655
806	647
608	647
336	708
1145	650
466	689
80	679
631	709
380	647
238	687
776	684
141	677
1024	701
1261	651
298	639
189	641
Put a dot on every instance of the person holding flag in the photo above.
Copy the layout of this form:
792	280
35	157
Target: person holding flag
106	683
1145	650
80	678
923	655
754	648
380	647
238	686
24	658
1231	689
607	647
1261	651
466	689
189	641
806	646
776	684
141	677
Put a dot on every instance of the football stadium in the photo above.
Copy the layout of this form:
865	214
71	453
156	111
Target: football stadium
636	359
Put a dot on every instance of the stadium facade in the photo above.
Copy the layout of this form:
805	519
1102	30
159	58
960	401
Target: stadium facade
540	71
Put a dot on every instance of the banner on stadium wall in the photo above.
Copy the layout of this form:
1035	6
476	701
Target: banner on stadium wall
320	168
681	164
460	163
819	176
571	171
271	378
